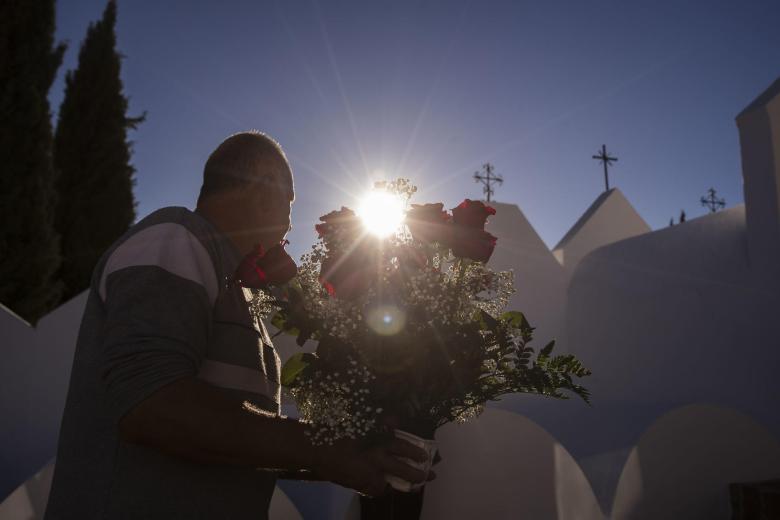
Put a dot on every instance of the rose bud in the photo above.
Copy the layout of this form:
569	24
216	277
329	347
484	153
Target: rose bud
278	265
248	274
344	219
429	222
475	244
472	214
260	269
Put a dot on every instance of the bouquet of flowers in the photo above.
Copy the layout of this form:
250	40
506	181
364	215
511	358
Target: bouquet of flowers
410	324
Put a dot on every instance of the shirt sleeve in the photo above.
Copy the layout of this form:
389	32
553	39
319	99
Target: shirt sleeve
157	321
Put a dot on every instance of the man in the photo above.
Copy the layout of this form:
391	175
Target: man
168	353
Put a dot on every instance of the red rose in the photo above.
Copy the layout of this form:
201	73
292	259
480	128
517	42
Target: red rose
469	238
335	221
261	268
348	276
472	214
429	222
476	244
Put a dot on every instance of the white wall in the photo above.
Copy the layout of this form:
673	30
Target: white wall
34	371
539	278
667	319
682	466
609	219
759	136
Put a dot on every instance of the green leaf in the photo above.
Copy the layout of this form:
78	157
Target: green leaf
514	319
281	322
547	350
293	367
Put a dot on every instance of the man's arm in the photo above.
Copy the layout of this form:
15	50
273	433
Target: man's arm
194	420
158	297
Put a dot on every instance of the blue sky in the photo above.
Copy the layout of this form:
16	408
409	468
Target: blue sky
432	89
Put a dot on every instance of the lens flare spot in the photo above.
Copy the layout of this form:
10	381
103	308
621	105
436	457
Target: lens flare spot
386	320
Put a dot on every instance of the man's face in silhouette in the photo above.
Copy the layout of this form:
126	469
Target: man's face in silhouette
267	211
248	190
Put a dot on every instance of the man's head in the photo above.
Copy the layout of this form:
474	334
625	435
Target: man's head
248	189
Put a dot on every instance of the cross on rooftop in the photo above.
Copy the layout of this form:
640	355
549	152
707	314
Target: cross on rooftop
712	202
488	179
607	162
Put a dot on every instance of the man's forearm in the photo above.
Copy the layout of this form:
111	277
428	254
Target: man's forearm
194	420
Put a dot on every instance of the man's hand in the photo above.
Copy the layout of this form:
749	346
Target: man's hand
349	463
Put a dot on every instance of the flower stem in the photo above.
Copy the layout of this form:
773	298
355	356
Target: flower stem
461	272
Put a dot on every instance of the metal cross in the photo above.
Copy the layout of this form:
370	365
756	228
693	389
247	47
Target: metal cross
712	201
607	161
488	179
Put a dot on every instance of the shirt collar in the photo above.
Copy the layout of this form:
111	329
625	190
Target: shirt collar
233	255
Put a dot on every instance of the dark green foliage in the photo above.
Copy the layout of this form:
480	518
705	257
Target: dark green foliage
29	245
507	366
92	154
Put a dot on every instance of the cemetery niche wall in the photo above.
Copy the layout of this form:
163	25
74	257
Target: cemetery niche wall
680	327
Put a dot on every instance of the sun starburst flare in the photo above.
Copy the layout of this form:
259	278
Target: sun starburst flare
382	212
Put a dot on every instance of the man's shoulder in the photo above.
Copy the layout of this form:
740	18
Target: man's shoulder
174	239
167	226
185	217
172	225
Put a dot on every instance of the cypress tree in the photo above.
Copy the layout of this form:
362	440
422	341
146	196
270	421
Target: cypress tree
29	245
92	154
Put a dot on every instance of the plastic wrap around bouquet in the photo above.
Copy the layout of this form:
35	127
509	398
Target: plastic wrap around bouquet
410	325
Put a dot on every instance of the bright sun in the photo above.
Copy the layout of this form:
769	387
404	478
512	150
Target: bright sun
382	213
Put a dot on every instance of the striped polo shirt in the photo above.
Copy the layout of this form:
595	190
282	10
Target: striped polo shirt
160	309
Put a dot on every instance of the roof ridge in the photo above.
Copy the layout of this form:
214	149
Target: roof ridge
762	99
595	205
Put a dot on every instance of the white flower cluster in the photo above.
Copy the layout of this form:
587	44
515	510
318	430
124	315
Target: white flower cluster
337	404
469	413
428	290
451	296
260	302
340	319
491	289
402	188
